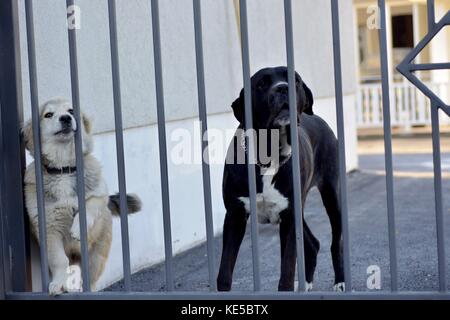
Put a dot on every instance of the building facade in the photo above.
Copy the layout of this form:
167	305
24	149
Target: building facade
406	25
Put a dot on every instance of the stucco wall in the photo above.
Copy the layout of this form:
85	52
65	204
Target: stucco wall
314	61
313	44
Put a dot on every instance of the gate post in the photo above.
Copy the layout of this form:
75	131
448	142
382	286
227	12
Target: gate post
14	239
2	239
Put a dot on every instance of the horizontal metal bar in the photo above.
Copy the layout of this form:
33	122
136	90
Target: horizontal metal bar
75	86
162	145
428	66
37	144
249	296
251	144
119	145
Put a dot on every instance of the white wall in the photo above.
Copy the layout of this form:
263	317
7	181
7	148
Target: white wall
314	62
313	53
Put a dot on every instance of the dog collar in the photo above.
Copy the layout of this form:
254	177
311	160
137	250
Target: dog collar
63	170
244	147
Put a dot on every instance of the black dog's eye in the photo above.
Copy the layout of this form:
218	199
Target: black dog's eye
48	115
261	85
70	111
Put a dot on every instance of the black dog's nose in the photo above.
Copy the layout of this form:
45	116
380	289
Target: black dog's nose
66	120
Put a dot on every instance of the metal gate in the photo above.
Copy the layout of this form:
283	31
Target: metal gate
14	268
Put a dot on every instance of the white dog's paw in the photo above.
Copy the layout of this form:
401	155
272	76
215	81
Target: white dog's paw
57	287
308	286
339	287
71	281
74	281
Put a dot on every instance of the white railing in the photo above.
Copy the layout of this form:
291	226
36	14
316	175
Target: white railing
409	106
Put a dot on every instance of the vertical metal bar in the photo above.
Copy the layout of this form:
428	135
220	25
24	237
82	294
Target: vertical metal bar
388	147
35	113
431	15
3	257
250	142
297	184
162	144
341	138
115	66
2	239
440	222
13	152
205	155
79	153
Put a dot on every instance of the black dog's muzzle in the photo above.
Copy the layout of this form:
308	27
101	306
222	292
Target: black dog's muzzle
279	102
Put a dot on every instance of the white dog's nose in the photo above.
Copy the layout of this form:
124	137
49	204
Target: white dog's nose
66	120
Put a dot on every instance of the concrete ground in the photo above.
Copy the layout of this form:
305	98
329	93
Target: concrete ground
415	228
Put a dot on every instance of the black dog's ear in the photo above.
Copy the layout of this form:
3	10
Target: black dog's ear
309	100
238	108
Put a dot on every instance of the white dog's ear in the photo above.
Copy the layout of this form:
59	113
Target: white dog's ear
87	124
27	133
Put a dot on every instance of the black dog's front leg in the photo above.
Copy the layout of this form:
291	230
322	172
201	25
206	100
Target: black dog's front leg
288	252
233	233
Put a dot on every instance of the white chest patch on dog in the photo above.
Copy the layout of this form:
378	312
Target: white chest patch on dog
269	204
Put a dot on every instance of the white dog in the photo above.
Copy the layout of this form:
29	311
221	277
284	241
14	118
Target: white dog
58	127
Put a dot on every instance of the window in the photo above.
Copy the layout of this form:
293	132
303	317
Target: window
402	31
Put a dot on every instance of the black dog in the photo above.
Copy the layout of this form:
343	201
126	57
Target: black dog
319	167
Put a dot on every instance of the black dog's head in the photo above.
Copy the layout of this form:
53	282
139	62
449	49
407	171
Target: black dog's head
270	99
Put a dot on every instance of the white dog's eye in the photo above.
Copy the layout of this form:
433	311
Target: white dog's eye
48	115
70	111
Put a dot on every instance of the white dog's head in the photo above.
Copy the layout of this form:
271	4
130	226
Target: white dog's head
58	126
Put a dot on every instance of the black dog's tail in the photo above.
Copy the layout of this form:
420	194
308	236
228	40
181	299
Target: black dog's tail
134	204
